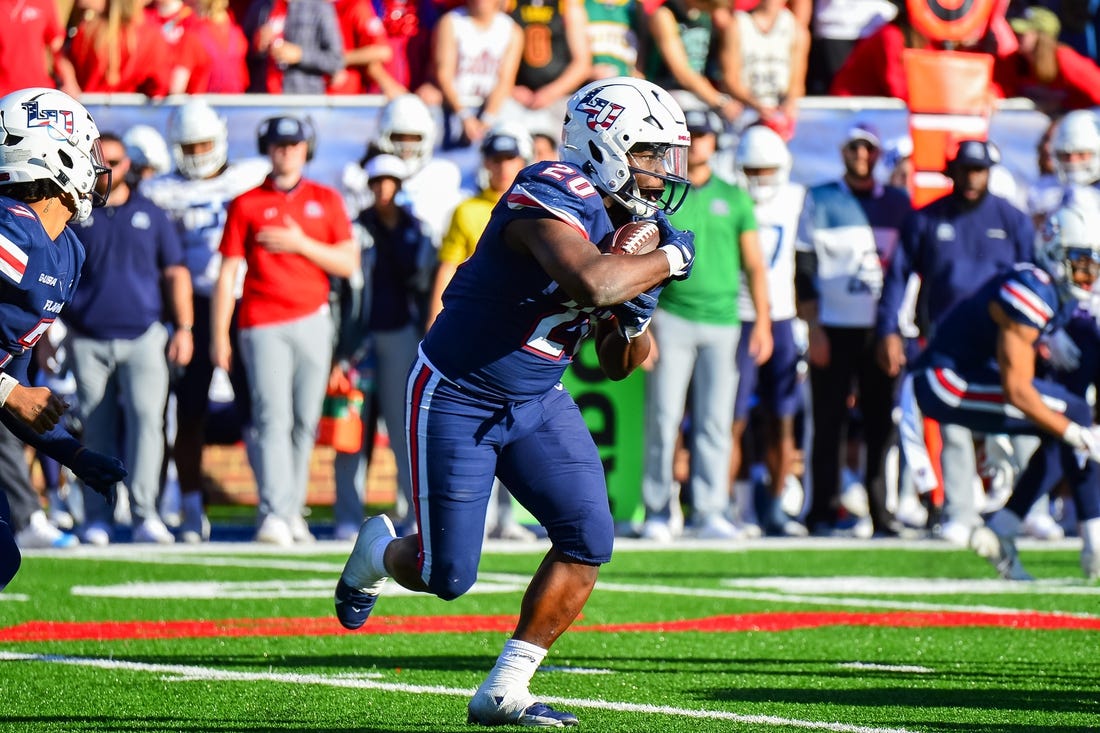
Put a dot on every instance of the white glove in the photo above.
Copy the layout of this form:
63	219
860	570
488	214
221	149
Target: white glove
1085	440
1065	356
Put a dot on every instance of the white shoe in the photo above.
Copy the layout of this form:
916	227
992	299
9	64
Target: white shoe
656	530
749	530
955	533
97	534
718	528
362	579
1043	527
274	530
39	534
515	707
299	531
195	531
153	531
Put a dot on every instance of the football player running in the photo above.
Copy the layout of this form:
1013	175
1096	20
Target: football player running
197	197
52	174
485	396
979	372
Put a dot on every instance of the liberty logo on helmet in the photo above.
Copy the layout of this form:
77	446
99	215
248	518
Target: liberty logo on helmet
59	122
601	114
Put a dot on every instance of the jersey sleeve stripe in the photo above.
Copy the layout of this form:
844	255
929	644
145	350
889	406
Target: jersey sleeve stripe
1027	303
22	211
13	260
519	198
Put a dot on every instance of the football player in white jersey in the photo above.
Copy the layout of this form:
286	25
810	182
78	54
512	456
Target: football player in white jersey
433	188
763	166
196	196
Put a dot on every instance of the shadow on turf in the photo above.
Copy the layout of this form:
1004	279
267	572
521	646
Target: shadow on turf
1048	701
100	723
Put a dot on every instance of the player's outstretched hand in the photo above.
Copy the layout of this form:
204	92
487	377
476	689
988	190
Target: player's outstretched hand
678	246
100	472
40	408
635	314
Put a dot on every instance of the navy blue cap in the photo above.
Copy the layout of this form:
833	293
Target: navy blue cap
976	154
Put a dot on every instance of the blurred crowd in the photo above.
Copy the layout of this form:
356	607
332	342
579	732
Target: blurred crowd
225	341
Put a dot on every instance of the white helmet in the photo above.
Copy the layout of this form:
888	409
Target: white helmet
1078	132
146	149
1069	239
606	119
407	115
761	148
48	135
196	122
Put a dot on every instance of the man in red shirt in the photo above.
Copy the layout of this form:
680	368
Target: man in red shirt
293	234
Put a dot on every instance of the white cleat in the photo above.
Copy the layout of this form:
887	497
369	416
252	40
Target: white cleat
362	581
510	708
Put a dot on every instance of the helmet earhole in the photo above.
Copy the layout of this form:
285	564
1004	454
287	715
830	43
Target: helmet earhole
595	153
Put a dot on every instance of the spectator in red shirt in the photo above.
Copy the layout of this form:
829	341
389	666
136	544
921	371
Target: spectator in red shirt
190	64
367	50
225	45
118	51
293	234
295	46
32	34
1051	74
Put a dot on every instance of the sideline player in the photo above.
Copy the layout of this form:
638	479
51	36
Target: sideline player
485	396
979	372
52	174
197	198
763	165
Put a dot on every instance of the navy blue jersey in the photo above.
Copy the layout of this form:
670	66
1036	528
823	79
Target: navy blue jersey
507	330
966	339
37	277
128	247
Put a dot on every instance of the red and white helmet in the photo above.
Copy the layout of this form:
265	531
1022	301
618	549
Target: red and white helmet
608	119
48	135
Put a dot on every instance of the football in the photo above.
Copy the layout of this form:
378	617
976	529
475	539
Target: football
634	238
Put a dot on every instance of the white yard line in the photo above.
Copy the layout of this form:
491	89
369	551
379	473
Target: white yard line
177	672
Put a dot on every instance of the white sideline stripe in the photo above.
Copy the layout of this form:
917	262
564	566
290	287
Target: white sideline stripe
887	667
209	674
14	597
218	590
897	586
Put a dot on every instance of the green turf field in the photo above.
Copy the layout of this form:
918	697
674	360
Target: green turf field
773	636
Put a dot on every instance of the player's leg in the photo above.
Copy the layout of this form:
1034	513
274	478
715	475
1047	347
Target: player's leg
97	397
830	387
712	406
452	460
192	390
396	351
143	382
877	398
666	390
742	495
555	472
780	397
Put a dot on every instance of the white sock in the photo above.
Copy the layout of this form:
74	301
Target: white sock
378	555
515	667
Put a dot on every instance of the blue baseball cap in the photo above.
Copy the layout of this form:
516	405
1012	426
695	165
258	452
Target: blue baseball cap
976	154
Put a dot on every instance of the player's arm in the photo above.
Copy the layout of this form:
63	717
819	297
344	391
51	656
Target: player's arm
591	278
618	355
756	271
222	303
1016	358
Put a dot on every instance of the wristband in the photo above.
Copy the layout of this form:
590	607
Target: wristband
7	384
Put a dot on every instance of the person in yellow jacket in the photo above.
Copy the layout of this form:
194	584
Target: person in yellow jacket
505	151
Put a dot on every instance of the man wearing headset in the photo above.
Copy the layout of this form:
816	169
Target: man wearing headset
293	234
